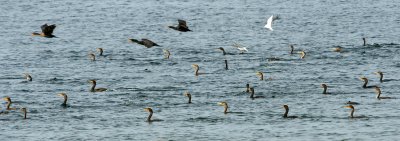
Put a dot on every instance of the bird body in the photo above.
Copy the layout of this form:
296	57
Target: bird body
28	77
181	26
337	49
145	42
92	57
240	47
47	31
269	23
167	54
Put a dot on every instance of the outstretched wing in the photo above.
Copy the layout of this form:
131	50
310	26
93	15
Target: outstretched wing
269	23
148	43
182	23
48	29
277	17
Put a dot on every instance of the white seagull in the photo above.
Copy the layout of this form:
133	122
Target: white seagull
269	23
240	47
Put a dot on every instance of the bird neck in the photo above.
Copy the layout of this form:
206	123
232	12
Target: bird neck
149	117
286	113
196	72
29	78
25	114
226	109
101	53
226	64
252	94
93	86
291	49
365	83
261	76
223	52
303	55
324	92
378	95
381	77
247	88
365	42
352	112
65	100
8	105
190	99
92	57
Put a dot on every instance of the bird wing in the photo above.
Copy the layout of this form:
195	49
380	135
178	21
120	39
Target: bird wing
182	23
269	23
148	43
236	45
48	29
277	17
43	27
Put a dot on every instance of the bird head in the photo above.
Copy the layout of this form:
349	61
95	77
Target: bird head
148	109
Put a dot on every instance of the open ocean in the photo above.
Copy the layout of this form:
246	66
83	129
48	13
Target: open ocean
137	77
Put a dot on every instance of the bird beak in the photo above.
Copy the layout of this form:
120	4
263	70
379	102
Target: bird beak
347	107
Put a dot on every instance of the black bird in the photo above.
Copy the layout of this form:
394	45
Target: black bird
146	42
47	31
181	26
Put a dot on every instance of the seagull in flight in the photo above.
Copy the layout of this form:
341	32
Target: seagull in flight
269	22
240	47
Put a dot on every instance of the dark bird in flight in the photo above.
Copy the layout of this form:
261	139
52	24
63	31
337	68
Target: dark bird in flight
181	26
47	31
146	42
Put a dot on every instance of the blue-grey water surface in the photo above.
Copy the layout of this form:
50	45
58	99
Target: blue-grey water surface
139	77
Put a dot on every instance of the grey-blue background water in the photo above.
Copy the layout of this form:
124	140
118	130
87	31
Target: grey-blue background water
313	26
